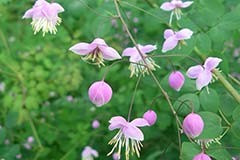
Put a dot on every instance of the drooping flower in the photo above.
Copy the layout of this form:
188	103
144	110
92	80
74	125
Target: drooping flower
202	156
89	154
172	38
95	124
176	80
100	93
96	51
128	136
138	65
151	117
193	125
203	74
44	16
175	6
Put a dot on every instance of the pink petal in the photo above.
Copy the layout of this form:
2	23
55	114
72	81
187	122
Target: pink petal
184	34
167	6
117	122
28	14
193	72
147	48
169	44
168	33
109	53
186	4
57	7
135	58
139	122
81	48
133	132
211	63
129	52
203	79
99	42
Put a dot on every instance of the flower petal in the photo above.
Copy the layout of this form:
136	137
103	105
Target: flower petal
203	79
81	48
28	14
133	132
169	44
147	48
129	52
117	122
109	53
193	72
99	42
184	34
139	122
186	4
168	33
211	63
57	7
167	6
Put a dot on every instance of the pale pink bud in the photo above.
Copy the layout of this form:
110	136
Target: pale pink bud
150	116
202	156
176	80
18	156
95	124
100	93
30	139
193	125
116	156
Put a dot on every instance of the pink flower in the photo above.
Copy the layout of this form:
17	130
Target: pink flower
175	6
97	51
89	153
30	139
18	156
172	38
203	74
95	124
151	117
176	80
100	93
136	58
128	131
193	125
44	16
202	156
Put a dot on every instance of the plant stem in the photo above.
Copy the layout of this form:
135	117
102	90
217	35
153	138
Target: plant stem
222	79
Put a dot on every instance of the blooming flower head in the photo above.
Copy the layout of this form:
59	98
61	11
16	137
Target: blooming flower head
176	80
172	38
44	16
193	125
175	6
203	74
89	154
128	133
96	51
95	124
202	156
151	117
100	93
137	64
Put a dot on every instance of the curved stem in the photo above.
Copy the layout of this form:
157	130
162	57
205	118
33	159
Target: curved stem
133	97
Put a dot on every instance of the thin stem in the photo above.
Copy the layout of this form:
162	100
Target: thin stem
133	97
222	79
224	118
5	43
175	55
151	4
234	79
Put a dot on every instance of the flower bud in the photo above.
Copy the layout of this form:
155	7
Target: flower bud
100	93
95	124
30	139
116	156
150	116
202	156
176	80
193	125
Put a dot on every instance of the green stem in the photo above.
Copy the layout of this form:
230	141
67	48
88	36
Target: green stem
5	43
222	79
234	79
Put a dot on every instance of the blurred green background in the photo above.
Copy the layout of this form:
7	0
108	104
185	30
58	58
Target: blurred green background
46	85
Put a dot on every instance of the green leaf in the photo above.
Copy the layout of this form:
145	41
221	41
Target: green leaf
189	150
11	119
212	125
185	103
218	152
204	43
235	129
209	101
236	113
2	135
